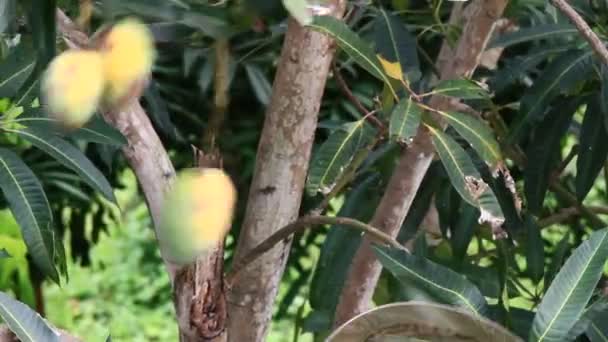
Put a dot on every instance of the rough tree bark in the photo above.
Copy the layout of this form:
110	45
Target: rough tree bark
280	172
478	18
198	288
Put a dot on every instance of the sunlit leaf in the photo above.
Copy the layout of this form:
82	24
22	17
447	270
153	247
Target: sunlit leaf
30	207
569	293
24	322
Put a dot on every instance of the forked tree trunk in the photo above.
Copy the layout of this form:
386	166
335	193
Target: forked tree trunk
478	19
280	173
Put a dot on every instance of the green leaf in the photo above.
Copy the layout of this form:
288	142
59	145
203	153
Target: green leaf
338	250
69	156
16	68
260	84
440	282
543	151
563	74
463	230
535	250
466	179
593	148
97	130
24	322
462	88
353	45
397	46
30	207
568	295
335	154
405	120
8	11
478	134
527	34
592	313
559	254
597	330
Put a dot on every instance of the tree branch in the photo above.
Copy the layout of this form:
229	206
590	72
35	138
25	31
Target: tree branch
302	224
198	288
596	44
479	18
280	174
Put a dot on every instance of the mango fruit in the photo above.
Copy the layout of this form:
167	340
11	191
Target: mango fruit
197	213
128	57
72	87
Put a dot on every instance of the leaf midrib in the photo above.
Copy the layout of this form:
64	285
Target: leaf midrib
13	76
16	321
490	148
571	291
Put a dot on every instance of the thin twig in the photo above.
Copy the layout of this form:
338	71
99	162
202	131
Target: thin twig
583	28
355	101
560	216
573	152
303	223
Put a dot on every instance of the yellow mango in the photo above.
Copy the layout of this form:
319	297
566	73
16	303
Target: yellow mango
196	215
72	87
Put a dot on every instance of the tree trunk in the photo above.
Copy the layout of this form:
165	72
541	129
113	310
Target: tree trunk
280	173
479	18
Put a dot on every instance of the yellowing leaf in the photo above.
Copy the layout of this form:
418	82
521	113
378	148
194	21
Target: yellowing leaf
392	69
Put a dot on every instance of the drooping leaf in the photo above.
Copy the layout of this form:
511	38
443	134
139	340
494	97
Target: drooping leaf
157	110
31	209
478	134
543	152
439	281
396	46
466	179
564	73
24	322
69	156
462	88
260	84
535	250
593	148
405	120
568	295
335	154
353	45
527	34
559	254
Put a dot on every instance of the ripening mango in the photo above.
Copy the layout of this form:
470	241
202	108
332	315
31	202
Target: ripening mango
72	87
197	214
128	57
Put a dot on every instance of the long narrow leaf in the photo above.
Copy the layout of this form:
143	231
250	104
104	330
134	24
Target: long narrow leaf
69	156
405	120
24	322
31	210
466	179
397	47
568	295
353	45
335	154
476	133
438	281
461	88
